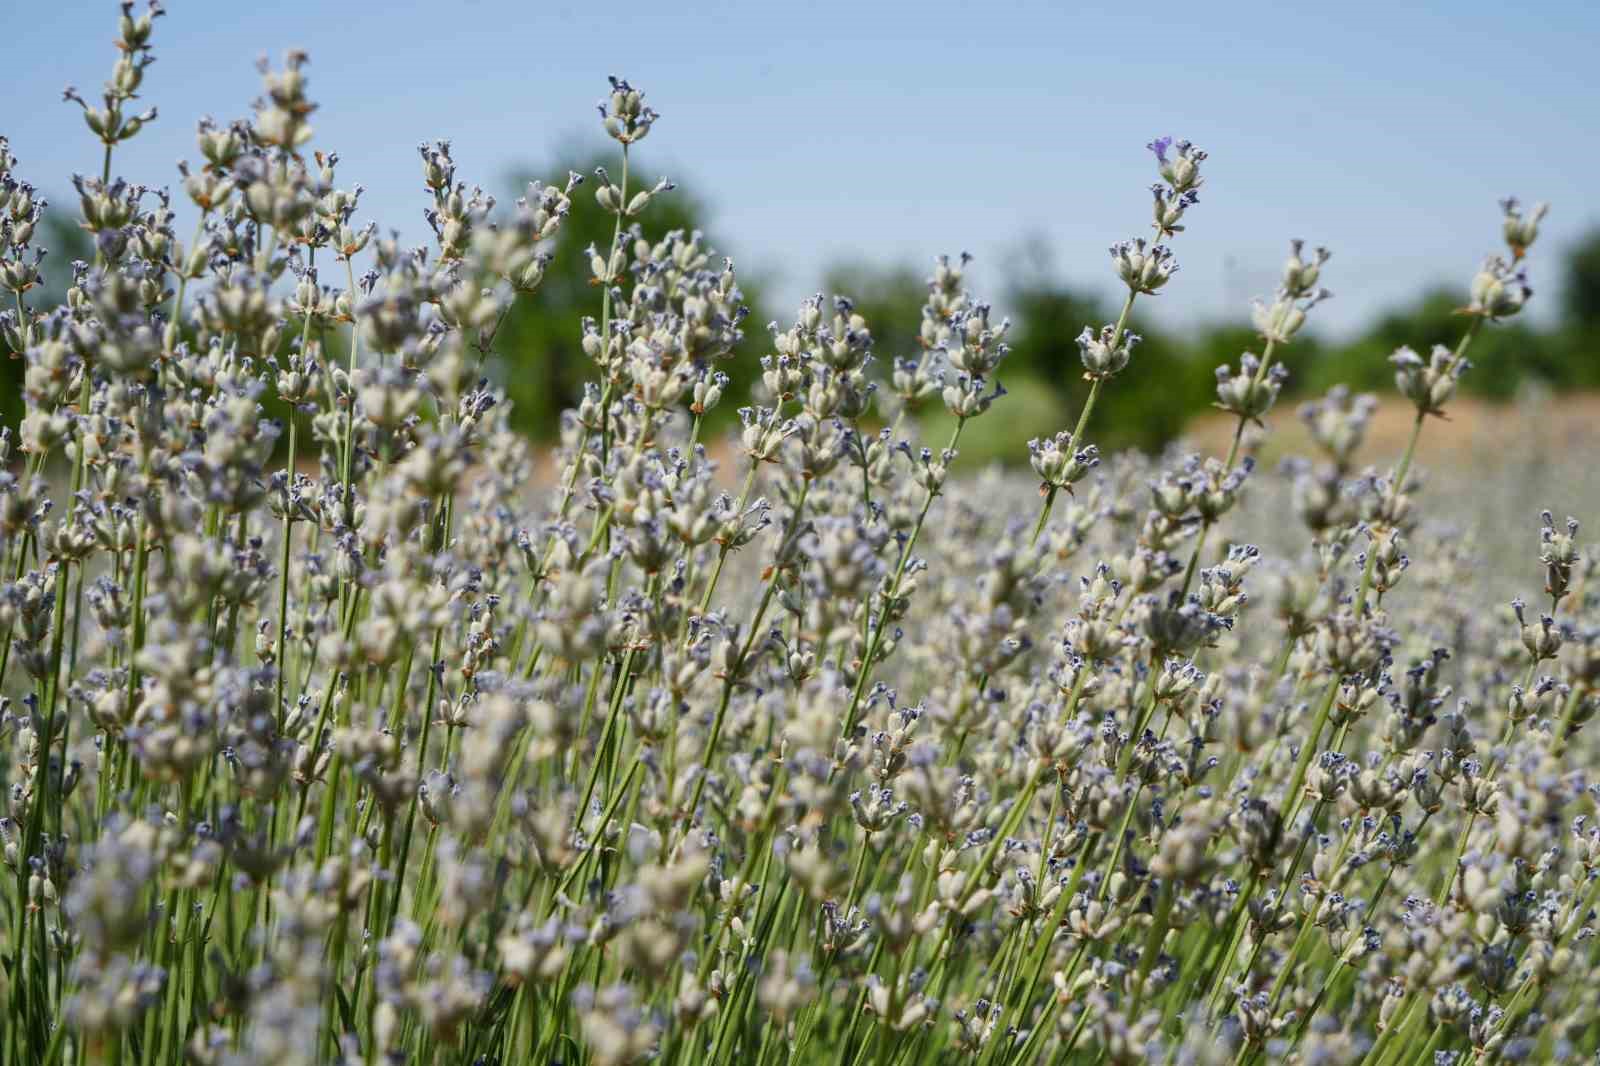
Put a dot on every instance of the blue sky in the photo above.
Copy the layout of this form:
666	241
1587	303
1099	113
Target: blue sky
826	131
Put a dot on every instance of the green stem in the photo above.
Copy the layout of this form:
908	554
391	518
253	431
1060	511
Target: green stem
605	304
889	596
1397	484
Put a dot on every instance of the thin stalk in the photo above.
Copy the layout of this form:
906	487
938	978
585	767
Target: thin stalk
1397	484
605	303
889	596
1257	380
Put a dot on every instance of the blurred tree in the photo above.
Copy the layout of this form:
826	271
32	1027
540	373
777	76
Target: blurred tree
1363	364
541	362
1165	384
1580	291
1146	407
1503	357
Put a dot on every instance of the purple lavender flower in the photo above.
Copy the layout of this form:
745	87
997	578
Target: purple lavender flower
1159	146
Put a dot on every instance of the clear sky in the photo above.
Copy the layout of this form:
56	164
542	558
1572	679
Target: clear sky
825	131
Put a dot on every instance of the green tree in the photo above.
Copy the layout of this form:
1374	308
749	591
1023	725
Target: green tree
1146	406
1505	355
1580	311
1580	291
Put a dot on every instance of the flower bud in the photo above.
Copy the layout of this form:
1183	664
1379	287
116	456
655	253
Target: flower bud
1106	353
1056	467
1521	230
1181	169
1498	290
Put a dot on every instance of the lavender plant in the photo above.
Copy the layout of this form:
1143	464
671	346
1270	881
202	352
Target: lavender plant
339	736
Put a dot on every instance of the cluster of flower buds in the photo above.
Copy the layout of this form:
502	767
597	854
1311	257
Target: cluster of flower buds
1338	423
979	344
1428	384
611	197
281	117
1521	230
1249	392
111	123
1499	289
1558	551
1058	464
1180	170
624	114
1144	268
1106	353
1543	638
1169	208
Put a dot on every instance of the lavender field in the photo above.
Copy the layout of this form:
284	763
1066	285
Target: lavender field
342	723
